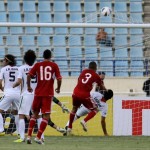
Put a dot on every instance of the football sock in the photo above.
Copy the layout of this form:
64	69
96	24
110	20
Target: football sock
1	123
42	127
72	115
75	118
31	126
39	122
90	116
22	128
17	123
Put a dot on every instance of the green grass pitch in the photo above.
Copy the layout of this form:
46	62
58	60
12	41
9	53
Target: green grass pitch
80	143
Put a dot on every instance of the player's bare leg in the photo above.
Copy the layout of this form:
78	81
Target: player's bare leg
1	124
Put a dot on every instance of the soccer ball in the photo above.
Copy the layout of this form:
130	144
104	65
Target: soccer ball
105	11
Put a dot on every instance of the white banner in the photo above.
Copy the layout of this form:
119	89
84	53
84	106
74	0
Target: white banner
131	115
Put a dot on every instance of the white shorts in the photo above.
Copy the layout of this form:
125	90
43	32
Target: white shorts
25	104
82	111
11	100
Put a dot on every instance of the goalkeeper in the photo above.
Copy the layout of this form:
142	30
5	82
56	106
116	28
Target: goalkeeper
64	109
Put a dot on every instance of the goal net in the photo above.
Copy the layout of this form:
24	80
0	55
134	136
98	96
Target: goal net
122	54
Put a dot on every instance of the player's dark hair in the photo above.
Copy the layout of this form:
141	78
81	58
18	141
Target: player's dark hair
10	59
92	65
47	54
29	57
101	73
108	94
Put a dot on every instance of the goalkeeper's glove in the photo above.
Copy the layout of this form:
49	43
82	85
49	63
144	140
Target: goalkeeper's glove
65	109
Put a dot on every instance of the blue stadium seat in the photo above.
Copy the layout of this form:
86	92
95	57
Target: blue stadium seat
137	73
2	7
76	30
43	40
121	64
109	73
63	64
105	4
29	6
109	30
1	40
75	73
59	52
120	40
44	6
64	73
15	17
107	19
136	52
74	7
60	18
106	65
91	52
3	17
121	73
59	6
12	40
59	40
90	18
90	7
14	51
136	65
121	53
2	52
13	5
106	52
74	40
3	30
41	50
75	17
19	63
120	7
136	17
121	31
136	31
61	31
136	7
136	40
75	65
89	40
91	31
30	17
28	40
45	17
121	18
75	52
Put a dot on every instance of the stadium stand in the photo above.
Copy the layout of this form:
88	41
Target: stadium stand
75	43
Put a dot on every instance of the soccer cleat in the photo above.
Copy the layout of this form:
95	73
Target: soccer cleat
2	133
29	141
61	130
68	132
19	141
38	141
83	125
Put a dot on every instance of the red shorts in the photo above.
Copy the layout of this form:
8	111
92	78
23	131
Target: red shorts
42	103
87	102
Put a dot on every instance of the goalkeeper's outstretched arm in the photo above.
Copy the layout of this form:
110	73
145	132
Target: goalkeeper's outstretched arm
103	123
63	107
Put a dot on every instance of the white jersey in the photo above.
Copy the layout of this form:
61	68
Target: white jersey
102	106
9	75
23	71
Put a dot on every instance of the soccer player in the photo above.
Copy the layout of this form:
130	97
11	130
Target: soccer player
26	97
81	93
102	107
11	96
46	72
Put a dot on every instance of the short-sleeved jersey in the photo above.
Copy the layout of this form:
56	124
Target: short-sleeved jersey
9	75
46	72
23	71
85	83
100	102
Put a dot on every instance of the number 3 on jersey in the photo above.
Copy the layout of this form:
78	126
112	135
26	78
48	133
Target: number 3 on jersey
45	73
87	77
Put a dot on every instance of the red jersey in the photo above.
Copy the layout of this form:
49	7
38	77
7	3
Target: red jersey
46	72
85	83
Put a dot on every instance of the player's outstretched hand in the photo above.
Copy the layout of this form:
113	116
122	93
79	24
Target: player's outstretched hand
57	90
65	109
30	89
